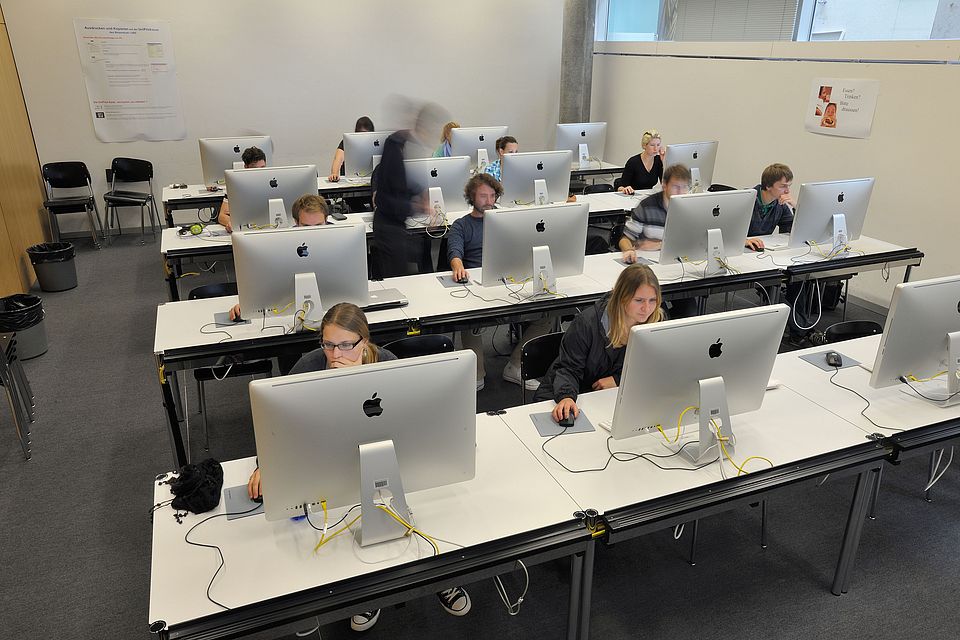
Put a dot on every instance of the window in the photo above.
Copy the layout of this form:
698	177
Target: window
879	20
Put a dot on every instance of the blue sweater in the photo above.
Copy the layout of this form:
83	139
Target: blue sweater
465	241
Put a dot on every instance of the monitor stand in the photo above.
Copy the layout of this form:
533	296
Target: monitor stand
716	258
942	393
238	165
839	229
713	408
278	213
438	211
695	185
482	160
306	296
544	280
584	155
380	479
540	195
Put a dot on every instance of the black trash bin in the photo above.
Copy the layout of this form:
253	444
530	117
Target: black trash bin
54	266
22	313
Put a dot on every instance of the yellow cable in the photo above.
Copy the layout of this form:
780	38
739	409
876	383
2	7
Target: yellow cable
278	311
324	541
915	379
740	468
410	528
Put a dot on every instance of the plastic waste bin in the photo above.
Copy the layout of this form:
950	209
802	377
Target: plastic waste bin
22	313
54	266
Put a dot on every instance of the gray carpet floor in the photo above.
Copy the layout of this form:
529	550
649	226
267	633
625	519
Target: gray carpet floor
75	556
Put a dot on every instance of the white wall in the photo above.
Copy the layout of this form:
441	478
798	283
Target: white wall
755	108
299	70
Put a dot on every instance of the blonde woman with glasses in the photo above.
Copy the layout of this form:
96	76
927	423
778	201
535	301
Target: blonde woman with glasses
644	170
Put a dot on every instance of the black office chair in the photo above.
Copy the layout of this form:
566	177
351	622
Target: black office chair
603	187
59	176
128	171
851	329
422	345
221	372
536	356
720	187
615	234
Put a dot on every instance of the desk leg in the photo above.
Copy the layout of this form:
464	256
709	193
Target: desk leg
694	534
933	470
173	269
872	514
587	590
906	274
168	214
176	438
852	532
576	584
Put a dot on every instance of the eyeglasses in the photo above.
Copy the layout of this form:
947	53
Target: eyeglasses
343	346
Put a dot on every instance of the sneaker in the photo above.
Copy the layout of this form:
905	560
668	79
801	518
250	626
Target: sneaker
365	620
511	373
456	601
480	383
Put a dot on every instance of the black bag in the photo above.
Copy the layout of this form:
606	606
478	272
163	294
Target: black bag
197	488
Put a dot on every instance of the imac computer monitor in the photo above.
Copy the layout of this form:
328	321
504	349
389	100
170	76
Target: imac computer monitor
251	191
279	268
522	173
365	435
720	363
830	213
219	154
707	226
572	135
467	141
699	157
359	150
450	175
921	340
534	244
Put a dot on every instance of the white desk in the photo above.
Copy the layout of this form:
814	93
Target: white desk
268	560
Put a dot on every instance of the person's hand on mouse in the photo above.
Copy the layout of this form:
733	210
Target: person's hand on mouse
333	177
754	244
234	312
604	383
253	486
626	189
630	256
564	408
459	272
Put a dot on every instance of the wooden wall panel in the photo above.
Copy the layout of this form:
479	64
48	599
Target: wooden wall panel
21	187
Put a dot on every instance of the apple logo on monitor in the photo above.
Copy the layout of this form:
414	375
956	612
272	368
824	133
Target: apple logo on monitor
539	166
481	137
696	154
236	148
716	211
583	134
840	197
273	183
376	142
433	173
541	227
372	407
716	349
303	251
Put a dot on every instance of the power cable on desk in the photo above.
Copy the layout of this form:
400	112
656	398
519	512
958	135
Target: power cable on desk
862	411
623	456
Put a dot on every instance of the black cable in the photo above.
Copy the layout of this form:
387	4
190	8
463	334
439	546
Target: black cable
186	539
306	512
618	456
862	411
264	327
210	333
904	380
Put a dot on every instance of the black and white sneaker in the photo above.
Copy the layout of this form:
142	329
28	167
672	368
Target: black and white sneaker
365	620
456	601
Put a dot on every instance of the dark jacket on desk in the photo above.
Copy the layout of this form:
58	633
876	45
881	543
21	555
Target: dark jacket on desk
766	218
316	360
585	356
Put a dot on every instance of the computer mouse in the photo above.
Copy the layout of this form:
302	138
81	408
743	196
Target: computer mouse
834	359
568	421
336	215
237	318
759	249
463	281
258	499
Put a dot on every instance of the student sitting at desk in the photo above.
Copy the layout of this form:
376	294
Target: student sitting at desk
644	170
336	169
505	145
593	346
253	158
308	210
345	342
774	205
444	150
465	250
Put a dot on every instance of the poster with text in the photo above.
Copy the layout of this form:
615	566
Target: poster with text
842	107
129	70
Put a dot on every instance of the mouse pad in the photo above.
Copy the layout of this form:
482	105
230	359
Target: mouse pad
222	319
236	501
448	282
640	260
547	427
819	359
